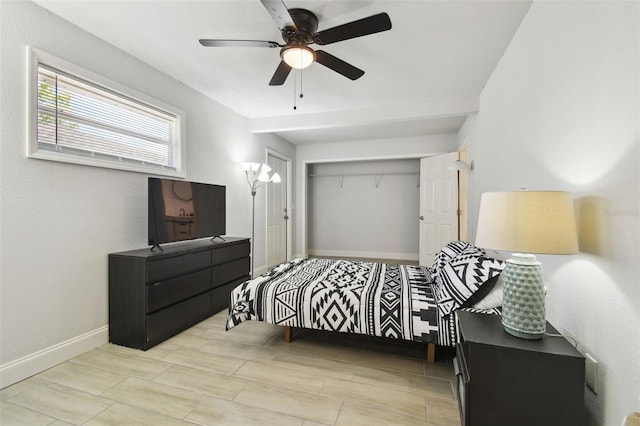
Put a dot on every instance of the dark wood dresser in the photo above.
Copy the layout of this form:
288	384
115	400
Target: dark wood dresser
154	295
505	380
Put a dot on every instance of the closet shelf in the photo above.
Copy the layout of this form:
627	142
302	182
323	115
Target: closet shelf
361	174
378	176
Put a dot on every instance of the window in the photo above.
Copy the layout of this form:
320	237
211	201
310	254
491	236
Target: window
80	117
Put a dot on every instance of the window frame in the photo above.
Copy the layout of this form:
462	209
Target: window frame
36	57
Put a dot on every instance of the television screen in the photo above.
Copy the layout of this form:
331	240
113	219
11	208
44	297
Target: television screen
181	210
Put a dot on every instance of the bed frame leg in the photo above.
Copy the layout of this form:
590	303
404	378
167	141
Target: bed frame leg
287	334
431	352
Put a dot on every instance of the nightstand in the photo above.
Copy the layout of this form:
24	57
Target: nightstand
505	380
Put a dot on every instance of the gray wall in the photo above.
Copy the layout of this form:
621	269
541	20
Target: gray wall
561	112
364	209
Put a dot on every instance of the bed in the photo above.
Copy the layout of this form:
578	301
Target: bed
403	302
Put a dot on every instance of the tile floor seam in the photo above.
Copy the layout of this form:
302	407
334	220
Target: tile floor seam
201	399
56	419
281	412
233	374
108	408
200	396
274	411
395	387
339	412
41	379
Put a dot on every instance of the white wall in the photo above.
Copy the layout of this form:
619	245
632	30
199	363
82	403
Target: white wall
561	111
306	155
59	221
364	209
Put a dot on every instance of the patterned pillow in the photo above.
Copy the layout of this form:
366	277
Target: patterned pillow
461	277
449	252
494	298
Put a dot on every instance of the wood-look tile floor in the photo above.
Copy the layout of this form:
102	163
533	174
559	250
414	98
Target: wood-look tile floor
246	376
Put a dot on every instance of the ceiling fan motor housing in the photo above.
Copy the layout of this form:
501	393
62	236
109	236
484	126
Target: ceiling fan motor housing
306	26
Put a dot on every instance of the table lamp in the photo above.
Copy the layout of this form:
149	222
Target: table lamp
526	222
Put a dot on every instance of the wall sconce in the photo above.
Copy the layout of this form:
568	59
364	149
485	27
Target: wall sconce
458	165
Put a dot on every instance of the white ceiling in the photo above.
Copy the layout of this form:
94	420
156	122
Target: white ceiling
422	77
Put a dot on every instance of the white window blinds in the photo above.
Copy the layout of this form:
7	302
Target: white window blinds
77	118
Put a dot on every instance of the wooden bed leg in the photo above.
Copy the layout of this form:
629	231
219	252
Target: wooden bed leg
287	334
431	352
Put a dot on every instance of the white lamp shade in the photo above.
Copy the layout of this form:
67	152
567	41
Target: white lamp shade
265	168
298	57
276	178
527	222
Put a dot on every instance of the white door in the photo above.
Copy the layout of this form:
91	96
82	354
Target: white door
277	214
438	205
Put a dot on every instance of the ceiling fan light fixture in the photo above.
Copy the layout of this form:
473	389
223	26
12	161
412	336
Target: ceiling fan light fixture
298	57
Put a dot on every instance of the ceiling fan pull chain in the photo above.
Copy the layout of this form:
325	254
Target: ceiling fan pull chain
294	91
301	95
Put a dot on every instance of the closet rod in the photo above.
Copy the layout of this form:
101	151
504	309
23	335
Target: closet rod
361	174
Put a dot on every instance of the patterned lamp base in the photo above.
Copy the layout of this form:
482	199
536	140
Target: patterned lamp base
523	312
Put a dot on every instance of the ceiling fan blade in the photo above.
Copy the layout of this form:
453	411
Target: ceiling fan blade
338	65
237	43
281	74
279	13
365	26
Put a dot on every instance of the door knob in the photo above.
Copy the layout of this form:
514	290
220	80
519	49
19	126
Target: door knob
421	218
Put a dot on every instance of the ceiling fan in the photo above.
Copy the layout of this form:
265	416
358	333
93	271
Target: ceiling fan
299	30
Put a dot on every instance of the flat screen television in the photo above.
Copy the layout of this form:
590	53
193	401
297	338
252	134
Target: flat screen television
181	210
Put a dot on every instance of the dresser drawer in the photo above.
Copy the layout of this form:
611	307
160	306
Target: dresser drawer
230	271
166	293
221	295
161	269
167	322
226	254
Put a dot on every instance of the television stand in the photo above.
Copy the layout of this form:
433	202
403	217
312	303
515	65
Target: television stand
154	295
218	236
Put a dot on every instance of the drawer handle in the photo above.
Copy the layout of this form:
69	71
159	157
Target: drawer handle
456	369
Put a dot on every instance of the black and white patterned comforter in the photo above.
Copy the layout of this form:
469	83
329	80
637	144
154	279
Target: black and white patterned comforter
377	299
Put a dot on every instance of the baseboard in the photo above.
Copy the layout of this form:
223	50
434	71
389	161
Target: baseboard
20	369
364	254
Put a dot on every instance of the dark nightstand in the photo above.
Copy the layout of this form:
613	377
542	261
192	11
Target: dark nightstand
505	380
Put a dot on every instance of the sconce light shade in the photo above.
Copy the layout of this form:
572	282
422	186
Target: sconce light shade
298	57
526	222
458	165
